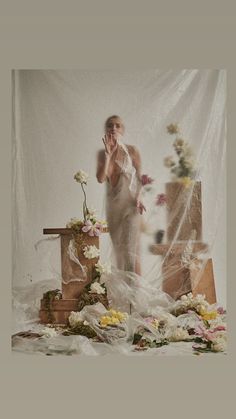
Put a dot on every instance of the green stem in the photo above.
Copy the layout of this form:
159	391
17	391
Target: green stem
85	208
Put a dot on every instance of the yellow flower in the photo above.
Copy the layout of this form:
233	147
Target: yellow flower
155	323
208	315
186	181
173	129
114	320
113	312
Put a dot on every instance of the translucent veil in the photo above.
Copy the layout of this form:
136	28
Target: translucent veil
175	123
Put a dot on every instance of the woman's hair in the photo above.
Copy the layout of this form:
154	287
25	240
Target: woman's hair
114	117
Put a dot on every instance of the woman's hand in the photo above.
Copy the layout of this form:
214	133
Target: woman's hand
140	206
110	144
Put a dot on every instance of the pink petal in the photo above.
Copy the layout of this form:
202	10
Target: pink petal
85	229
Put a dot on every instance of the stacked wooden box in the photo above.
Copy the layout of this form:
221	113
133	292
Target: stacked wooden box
73	281
184	268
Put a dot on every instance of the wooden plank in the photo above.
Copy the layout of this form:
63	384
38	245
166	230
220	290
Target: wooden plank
177	248
64	230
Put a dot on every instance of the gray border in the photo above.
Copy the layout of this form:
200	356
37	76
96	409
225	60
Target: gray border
112	386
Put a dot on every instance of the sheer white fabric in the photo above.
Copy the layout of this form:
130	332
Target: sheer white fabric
58	117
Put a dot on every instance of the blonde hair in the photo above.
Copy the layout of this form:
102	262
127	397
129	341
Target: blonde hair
114	117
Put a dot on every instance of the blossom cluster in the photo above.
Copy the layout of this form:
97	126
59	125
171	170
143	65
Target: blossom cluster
214	338
188	302
97	288
81	177
113	318
184	168
103	268
76	319
91	252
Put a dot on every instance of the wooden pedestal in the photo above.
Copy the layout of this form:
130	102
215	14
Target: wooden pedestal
58	311
73	279
184	211
197	278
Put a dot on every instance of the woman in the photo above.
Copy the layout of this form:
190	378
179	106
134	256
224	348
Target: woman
119	165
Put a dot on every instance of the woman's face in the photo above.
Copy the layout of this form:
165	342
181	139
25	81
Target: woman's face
115	128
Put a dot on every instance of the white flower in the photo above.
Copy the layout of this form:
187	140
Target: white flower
81	176
219	345
179	334
92	212
91	252
169	162
72	222
103	268
173	129
49	332
96	288
75	318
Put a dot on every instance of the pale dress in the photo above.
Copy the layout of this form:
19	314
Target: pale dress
123	217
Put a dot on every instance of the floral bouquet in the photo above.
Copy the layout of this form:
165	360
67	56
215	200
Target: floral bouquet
96	290
90	224
109	325
209	327
183	169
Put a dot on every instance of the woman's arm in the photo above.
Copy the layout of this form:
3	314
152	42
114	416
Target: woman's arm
136	159
103	161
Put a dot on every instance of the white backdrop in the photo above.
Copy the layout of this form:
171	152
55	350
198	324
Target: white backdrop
58	118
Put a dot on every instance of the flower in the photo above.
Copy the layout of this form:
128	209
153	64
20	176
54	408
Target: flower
92	229
221	310
96	288
49	332
188	302
169	162
178	144
219	345
152	321
75	318
173	129
186	181
146	180
188	163
74	222
103	268
208	315
161	199
179	334
112	318
81	177
91	252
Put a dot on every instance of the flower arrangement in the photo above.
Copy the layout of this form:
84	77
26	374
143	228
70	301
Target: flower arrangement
188	303
210	339
78	326
183	170
90	224
96	290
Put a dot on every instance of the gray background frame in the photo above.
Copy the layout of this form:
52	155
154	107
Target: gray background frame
146	35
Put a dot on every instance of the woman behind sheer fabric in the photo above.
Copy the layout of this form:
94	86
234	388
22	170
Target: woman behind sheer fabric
120	166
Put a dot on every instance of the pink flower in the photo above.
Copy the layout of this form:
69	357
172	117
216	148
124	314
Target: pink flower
220	310
204	333
146	180
219	328
161	199
92	229
149	319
